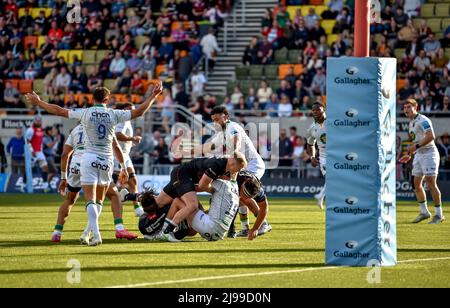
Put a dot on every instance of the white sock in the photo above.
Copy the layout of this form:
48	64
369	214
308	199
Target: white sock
92	211
57	232
120	227
322	193
243	210
423	207
438	211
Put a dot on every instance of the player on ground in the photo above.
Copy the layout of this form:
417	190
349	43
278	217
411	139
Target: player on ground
70	187
150	225
231	136
185	177
317	134
35	137
124	134
425	163
99	124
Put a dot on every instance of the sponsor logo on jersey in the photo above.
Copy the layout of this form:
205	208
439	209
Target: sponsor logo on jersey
97	114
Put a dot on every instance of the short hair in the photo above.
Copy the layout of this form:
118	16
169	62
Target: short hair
100	94
412	102
148	201
219	110
250	184
318	103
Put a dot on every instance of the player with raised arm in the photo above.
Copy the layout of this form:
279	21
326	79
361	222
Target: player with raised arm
70	186
99	124
317	134
231	136
425	163
124	134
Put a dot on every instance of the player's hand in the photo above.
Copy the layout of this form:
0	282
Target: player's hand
157	87
62	187
405	159
314	162
33	154
123	176
33	98
137	139
412	149
252	234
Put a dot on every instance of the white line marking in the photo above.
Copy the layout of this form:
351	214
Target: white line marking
310	269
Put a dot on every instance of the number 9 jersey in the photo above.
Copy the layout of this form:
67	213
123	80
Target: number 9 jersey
99	125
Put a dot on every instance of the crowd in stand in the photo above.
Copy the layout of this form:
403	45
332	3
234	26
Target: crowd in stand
423	68
173	35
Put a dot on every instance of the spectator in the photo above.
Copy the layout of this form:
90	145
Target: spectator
11	96
251	99
210	48
55	34
62	81
400	18
167	113
443	146
236	96
117	66
285	107
264	94
50	143
15	148
3	161
311	18
421	62
124	82
334	7
251	52
412	7
318	83
445	105
198	81
300	157
265	52
78	82
272	106
134	63
431	46
285	152
95	80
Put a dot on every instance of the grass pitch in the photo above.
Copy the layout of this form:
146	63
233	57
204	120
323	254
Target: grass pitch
290	256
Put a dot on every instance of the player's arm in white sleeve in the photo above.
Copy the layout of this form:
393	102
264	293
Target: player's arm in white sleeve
34	99
145	106
65	157
429	136
119	155
121	136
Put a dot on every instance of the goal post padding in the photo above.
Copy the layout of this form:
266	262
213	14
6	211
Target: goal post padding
361	162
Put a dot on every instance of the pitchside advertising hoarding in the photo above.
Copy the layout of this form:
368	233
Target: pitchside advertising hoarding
287	188
361	162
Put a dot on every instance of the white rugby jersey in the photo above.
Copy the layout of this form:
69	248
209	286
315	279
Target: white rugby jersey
418	127
224	143
76	141
224	203
127	129
99	125
317	133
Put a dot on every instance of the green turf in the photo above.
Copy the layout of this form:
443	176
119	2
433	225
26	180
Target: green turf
28	259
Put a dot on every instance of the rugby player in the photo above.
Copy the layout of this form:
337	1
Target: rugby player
124	134
99	124
425	163
317	134
185	177
70	187
230	136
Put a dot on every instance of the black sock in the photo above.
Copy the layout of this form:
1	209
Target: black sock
131	197
170	226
